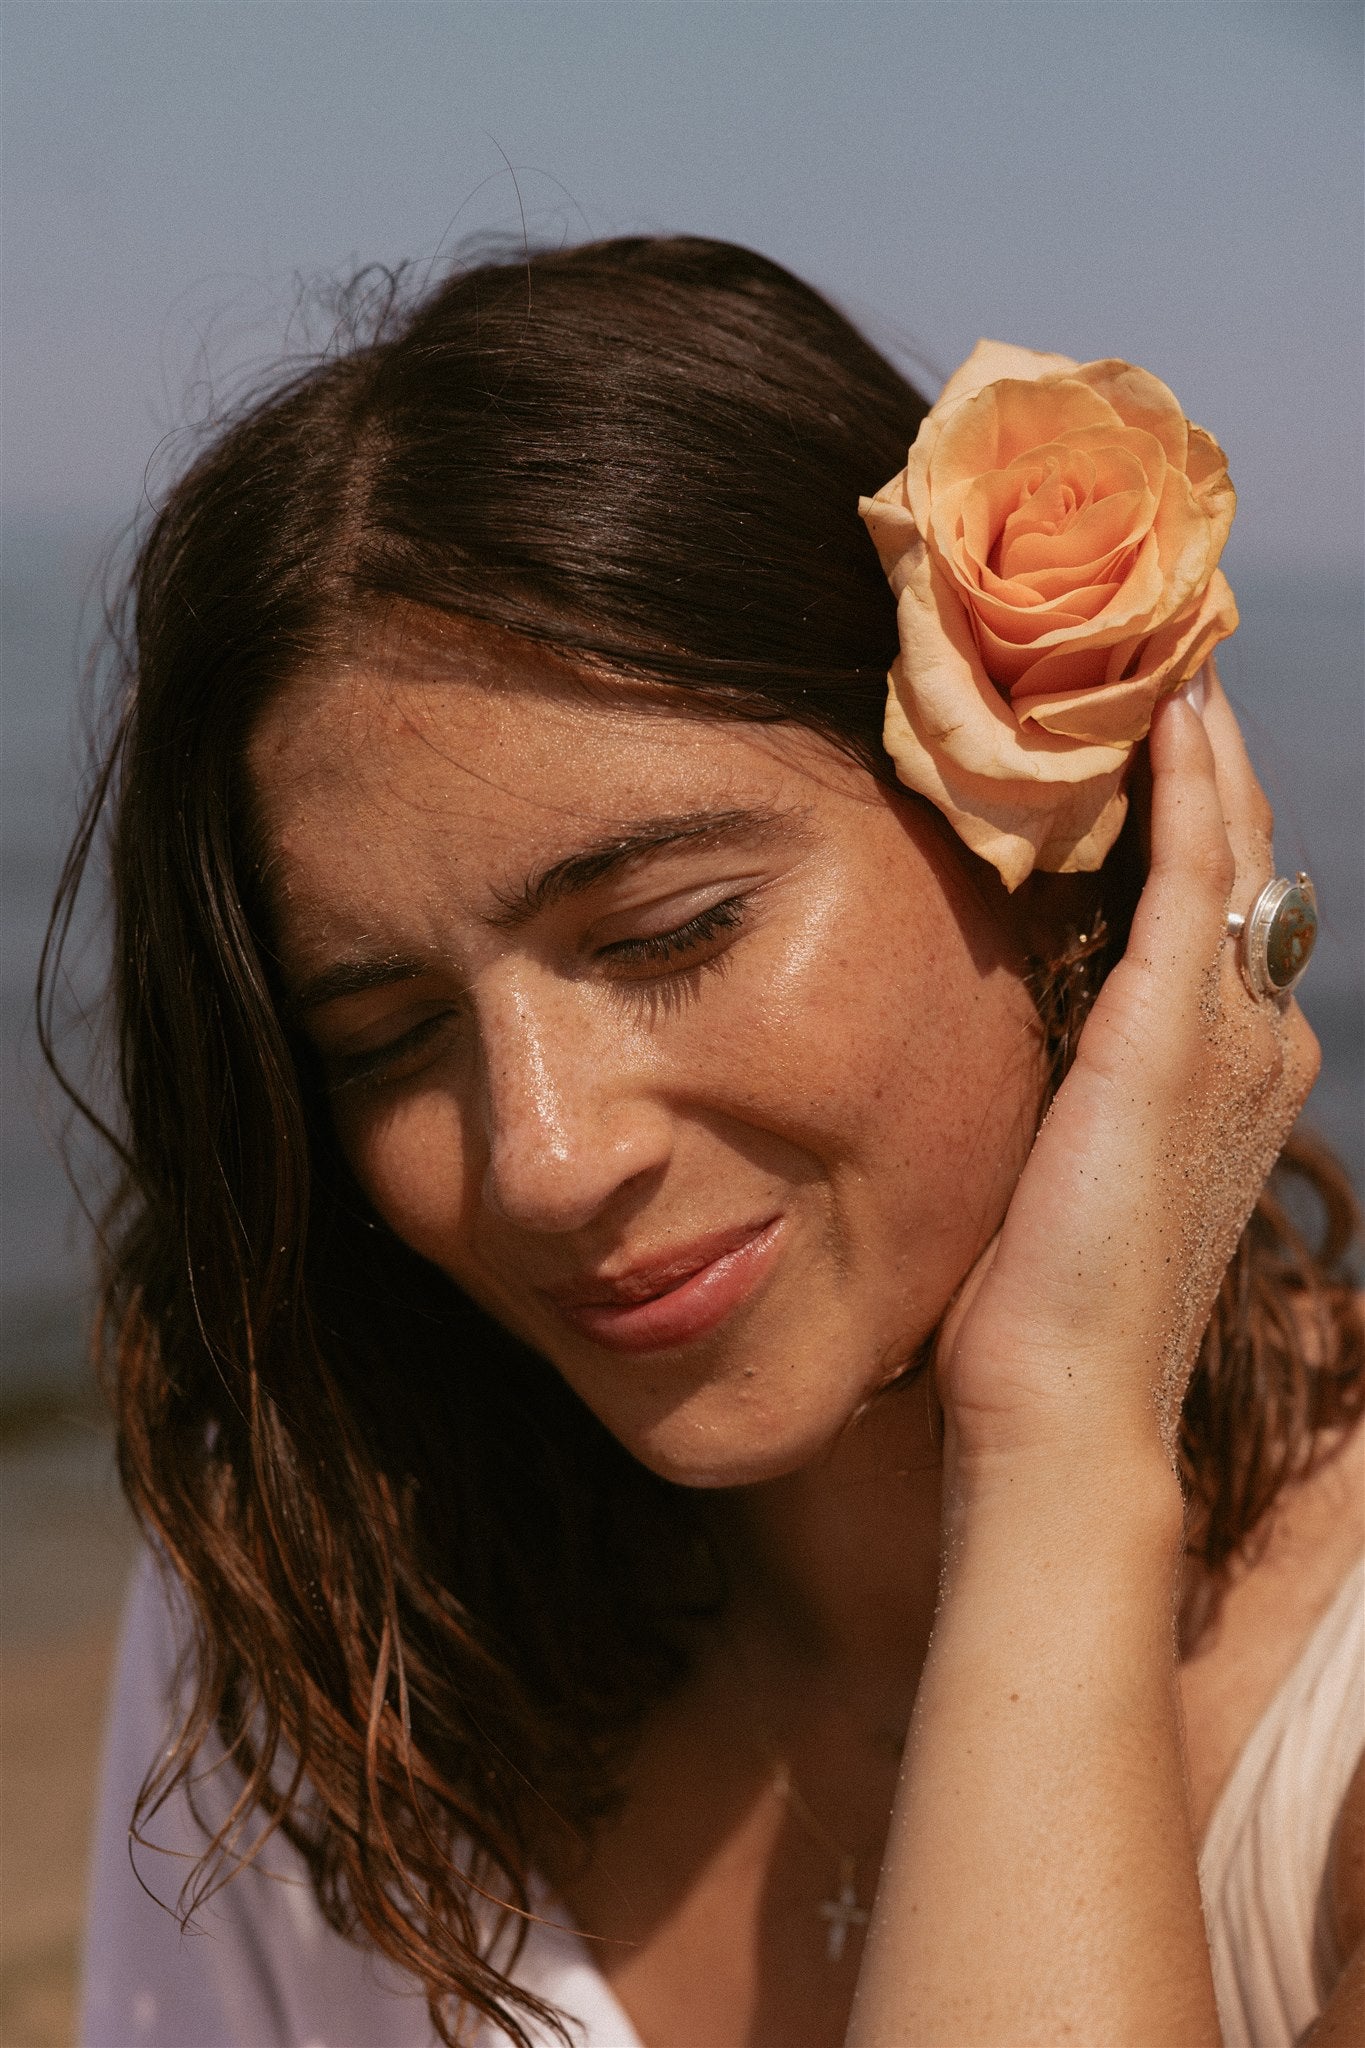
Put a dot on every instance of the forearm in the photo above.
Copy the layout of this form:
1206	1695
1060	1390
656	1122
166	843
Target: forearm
1039	1882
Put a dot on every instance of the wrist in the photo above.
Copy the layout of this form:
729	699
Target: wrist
1045	1406
1086	1502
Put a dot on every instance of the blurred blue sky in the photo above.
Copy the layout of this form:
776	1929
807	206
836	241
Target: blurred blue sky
1168	180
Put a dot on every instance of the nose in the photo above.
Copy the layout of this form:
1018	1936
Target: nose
568	1121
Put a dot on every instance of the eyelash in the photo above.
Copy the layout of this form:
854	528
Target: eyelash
348	1069
662	947
351	1069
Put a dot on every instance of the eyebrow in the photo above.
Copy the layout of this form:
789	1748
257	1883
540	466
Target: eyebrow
633	844
629	847
353	977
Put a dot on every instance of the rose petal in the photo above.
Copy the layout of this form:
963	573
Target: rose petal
1030	612
1181	647
1045	494
990	360
1015	639
1141	400
1061	827
1186	540
1207	469
1009	793
1117	713
1049	585
967	516
1218	617
1010	648
888	519
1093	532
1121	708
1001	423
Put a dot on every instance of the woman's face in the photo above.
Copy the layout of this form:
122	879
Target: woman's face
683	1046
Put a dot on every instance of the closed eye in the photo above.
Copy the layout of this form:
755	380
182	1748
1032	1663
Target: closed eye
664	948
380	1062
668	950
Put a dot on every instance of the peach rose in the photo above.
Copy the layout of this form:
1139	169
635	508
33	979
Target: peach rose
1053	544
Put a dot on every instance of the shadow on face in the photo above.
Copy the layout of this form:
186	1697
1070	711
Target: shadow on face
687	1048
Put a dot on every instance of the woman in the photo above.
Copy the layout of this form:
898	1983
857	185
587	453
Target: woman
605	1337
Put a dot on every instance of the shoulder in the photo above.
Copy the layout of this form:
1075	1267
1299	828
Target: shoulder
1344	1493
1300	1554
1263	1617
1318	1527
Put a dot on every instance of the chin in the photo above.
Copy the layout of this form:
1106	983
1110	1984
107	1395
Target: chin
711	1442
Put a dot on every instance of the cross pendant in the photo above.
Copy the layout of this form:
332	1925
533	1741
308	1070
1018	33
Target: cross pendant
842	1913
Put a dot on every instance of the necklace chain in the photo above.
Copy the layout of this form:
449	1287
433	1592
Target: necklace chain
843	1911
789	1792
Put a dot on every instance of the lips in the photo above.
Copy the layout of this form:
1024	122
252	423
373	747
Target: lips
671	1299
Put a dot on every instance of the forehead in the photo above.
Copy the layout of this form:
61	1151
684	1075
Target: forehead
491	758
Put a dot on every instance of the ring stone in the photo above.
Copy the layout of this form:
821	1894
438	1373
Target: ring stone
1278	936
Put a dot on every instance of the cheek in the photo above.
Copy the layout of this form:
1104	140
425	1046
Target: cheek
910	1058
885	1035
945	1122
411	1160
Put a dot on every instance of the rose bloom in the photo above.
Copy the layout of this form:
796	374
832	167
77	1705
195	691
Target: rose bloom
1053	543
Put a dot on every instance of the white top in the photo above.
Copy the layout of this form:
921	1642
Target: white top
1265	1855
263	1970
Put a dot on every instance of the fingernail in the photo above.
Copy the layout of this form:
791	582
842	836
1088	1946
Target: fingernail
1196	693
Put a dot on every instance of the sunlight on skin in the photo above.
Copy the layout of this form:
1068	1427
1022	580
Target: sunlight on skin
696	1056
852	1059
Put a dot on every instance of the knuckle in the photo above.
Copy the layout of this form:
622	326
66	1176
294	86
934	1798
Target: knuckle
1214	867
1300	1048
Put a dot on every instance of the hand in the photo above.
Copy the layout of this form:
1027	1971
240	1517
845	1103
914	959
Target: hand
1078	1328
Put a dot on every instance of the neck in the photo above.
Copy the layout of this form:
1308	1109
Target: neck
836	1567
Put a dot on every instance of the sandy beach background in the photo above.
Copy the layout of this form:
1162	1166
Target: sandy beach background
1177	183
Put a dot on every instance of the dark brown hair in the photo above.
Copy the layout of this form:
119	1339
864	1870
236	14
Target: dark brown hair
429	1588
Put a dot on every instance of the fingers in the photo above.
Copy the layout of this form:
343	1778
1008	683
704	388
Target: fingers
1183	909
1246	809
1210	826
1185	836
1248	818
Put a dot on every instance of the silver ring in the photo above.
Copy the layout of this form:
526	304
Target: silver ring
1277	936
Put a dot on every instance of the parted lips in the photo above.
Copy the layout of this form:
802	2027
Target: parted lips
1053	543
